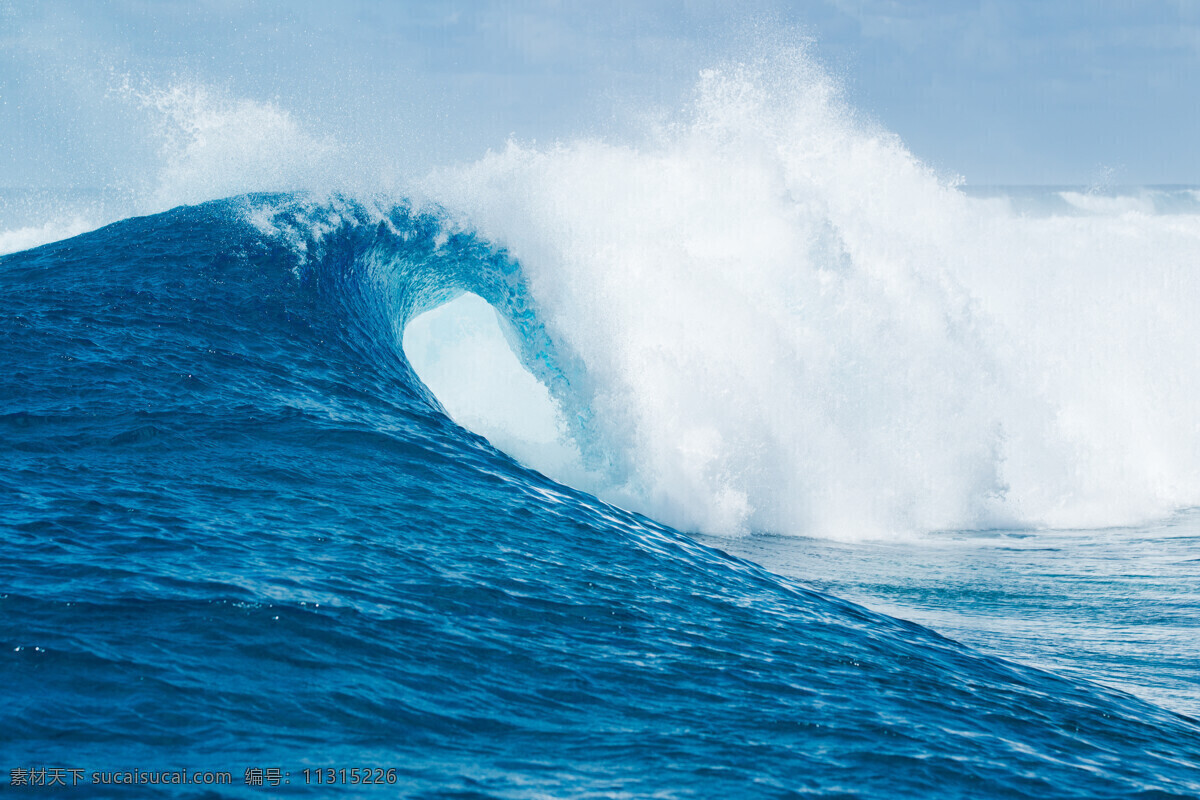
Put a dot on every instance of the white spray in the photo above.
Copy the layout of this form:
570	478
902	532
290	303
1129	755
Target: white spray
788	323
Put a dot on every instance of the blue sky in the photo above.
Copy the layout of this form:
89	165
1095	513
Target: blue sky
998	92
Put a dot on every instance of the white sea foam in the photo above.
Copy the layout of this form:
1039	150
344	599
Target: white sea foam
1096	203
788	323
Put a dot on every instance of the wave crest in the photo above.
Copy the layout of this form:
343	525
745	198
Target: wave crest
786	322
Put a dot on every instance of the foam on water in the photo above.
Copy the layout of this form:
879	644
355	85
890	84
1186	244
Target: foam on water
1096	203
788	323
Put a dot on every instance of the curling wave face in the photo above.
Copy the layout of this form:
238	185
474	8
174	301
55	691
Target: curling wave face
238	528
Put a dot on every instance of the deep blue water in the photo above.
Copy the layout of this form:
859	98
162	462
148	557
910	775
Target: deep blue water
237	532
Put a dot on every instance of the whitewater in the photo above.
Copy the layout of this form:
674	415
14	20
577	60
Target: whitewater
575	469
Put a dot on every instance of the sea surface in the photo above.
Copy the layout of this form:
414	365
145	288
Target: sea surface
241	535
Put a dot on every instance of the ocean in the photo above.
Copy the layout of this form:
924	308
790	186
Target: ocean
758	460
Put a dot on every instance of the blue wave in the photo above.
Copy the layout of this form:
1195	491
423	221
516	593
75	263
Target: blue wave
240	533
